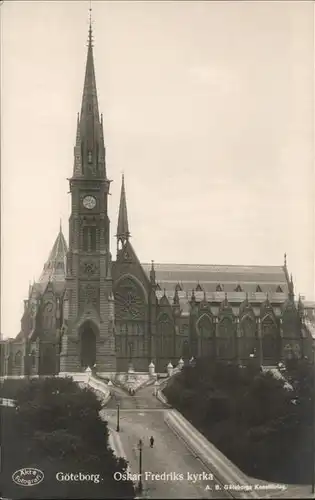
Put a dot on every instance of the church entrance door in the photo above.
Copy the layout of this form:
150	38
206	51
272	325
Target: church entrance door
88	346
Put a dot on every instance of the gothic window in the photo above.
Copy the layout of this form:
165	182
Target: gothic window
89	238
47	316
225	327
279	289
165	326
93	238
185	350
205	326
248	327
238	289
219	288
258	289
270	339
129	301
86	239
33	358
18	358
269	327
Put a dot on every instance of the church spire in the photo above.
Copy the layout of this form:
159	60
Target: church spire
123	233
54	268
89	150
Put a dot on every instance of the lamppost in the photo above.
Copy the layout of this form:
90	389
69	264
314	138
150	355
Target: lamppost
313	420
118	428
140	446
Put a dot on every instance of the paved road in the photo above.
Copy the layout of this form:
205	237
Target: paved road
140	417
142	399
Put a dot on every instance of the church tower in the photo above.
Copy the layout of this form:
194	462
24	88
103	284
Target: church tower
89	337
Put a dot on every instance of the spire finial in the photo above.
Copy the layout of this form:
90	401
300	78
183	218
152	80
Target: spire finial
90	25
60	225
285	260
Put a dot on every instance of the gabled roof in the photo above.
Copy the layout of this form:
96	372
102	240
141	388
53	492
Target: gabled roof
55	266
228	277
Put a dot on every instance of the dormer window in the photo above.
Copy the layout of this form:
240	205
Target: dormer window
219	288
178	288
198	288
238	289
279	289
90	156
258	289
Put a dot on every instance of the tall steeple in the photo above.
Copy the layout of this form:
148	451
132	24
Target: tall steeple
88	281
89	151
123	233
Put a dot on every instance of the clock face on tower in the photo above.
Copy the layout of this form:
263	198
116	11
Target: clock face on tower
89	202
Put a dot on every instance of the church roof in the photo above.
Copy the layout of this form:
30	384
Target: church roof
55	267
232	279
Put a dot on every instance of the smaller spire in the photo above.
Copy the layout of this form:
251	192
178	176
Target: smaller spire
176	298
285	260
123	233
152	273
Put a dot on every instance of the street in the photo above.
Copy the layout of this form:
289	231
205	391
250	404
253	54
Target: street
141	416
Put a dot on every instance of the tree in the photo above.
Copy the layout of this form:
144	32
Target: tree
250	416
58	428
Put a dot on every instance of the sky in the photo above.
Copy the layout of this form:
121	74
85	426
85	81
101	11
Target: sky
208	110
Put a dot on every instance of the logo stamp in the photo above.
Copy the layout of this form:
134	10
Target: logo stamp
28	476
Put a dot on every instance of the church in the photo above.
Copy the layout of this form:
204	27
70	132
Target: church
89	310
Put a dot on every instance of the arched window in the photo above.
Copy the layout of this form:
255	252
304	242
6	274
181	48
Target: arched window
18	358
165	326
269	327
226	327
129	301
248	327
89	238
205	326
33	358
48	315
270	340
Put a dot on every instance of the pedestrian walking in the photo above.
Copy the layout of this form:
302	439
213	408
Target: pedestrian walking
151	441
